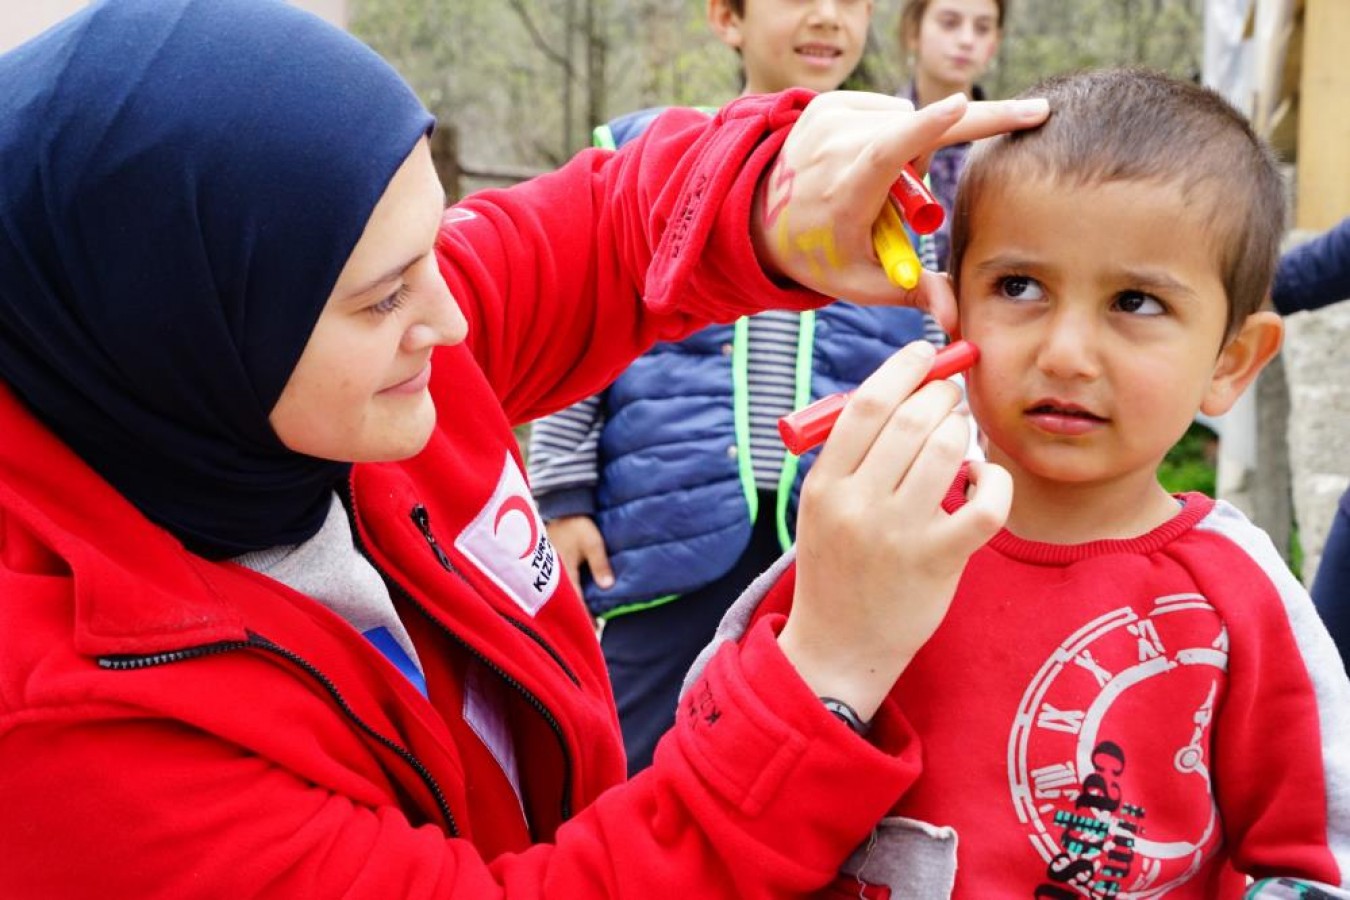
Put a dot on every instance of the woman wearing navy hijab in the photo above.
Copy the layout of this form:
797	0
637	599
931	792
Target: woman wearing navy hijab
277	616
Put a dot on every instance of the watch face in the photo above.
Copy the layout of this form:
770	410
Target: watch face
846	714
1109	755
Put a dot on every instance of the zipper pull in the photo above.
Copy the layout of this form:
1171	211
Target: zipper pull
422	519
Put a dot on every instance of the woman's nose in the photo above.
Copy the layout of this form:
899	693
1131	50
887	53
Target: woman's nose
441	320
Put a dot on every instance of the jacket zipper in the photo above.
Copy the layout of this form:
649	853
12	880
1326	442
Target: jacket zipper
258	642
422	520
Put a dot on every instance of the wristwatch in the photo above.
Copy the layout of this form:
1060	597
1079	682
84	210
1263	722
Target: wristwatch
848	715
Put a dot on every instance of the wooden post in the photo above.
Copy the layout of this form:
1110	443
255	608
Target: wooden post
445	156
1324	116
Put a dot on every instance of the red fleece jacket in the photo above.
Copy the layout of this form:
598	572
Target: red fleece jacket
176	727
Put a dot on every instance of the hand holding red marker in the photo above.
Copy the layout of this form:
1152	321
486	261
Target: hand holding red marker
808	427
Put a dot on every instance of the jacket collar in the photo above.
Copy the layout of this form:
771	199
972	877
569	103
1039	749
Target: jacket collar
135	589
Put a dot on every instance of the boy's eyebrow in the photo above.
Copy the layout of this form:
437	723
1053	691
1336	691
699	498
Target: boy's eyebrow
1005	262
1154	280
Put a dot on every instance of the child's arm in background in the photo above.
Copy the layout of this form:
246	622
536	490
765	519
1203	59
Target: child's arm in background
1316	273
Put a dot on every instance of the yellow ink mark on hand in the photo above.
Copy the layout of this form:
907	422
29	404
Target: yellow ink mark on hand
819	242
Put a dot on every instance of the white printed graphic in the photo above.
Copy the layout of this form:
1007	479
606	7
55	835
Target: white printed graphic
1072	752
508	542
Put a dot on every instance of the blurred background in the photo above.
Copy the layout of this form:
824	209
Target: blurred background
523	81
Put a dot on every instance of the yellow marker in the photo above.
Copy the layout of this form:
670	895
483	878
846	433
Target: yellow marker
894	250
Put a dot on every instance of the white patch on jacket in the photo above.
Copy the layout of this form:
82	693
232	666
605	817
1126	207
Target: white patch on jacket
507	541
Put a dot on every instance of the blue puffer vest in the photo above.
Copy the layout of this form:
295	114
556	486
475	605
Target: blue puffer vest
676	493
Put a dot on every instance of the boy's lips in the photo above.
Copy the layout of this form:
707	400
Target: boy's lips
820	52
1063	418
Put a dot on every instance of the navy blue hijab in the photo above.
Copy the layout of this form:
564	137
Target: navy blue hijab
181	182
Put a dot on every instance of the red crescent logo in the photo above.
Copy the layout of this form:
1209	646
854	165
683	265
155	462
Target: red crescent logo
519	504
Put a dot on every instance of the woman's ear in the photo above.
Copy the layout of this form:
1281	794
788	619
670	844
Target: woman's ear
725	23
1242	359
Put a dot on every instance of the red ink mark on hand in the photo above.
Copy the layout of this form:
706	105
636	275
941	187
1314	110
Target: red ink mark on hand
780	184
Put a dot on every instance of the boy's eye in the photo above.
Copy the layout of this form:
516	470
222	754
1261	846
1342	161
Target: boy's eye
1019	287
1139	303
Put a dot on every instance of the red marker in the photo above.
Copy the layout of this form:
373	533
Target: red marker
917	204
808	427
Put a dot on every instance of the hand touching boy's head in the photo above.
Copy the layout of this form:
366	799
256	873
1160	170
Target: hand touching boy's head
1111	265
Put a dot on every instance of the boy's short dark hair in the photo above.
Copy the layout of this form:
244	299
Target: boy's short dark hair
1133	124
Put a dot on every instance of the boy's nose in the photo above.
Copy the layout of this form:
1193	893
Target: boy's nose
1068	347
826	11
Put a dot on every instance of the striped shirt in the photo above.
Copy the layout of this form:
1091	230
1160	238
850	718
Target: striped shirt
564	447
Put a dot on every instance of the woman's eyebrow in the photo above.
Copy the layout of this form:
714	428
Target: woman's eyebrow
389	275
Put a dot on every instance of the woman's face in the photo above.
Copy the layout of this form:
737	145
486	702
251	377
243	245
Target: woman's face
359	392
956	41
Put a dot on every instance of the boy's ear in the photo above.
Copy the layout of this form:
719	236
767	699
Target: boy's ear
724	23
1242	359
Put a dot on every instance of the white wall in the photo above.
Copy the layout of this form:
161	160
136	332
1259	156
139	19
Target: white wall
21	19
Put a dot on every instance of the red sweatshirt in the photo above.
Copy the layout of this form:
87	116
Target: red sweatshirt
174	727
1160	716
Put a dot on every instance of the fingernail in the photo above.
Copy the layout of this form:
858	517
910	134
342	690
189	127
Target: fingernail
605	581
923	348
1034	108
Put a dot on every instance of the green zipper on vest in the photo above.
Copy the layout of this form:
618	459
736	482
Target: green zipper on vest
745	467
806	348
603	138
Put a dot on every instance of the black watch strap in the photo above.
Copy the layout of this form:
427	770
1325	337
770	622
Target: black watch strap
848	715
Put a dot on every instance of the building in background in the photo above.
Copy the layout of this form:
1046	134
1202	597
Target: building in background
20	21
1282	445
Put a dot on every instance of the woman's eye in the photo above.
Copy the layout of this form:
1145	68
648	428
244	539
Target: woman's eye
1139	303
388	304
1019	287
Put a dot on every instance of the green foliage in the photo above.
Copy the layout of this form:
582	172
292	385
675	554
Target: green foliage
1189	466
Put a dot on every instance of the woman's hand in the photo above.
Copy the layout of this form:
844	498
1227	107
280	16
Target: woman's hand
878	558
814	210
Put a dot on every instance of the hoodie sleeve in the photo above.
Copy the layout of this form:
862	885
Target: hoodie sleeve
568	277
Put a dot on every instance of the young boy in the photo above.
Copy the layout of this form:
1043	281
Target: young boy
1131	695
666	495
